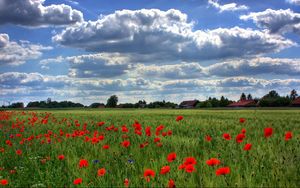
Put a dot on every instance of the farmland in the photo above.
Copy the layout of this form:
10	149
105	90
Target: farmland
211	148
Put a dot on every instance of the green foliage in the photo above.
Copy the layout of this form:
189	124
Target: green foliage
96	105
53	104
272	162
112	101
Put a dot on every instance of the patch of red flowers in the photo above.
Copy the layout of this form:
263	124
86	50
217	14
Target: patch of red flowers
83	163
208	138
226	136
126	182
149	173
242	120
126	143
165	170
179	118
213	162
171	157
190	168
222	171
247	147
4	182
239	138
101	172
288	136
171	184
61	157
77	181
19	152
268	132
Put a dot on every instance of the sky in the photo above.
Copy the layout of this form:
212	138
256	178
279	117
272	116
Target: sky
174	50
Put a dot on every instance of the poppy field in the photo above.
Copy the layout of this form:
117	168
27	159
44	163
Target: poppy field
150	148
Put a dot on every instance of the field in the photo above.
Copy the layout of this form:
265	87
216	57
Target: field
67	148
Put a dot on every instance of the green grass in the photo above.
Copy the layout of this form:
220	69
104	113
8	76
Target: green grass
272	162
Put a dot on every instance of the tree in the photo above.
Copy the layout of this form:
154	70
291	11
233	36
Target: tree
249	97
48	100
112	101
243	97
293	94
272	94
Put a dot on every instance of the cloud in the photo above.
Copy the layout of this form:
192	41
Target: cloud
101	65
295	2
176	71
72	2
15	85
97	65
227	7
276	21
256	66
166	35
236	67
16	53
33	13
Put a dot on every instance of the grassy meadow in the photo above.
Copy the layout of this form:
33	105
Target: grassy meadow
44	148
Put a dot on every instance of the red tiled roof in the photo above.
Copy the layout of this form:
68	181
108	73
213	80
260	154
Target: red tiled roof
189	103
242	103
296	101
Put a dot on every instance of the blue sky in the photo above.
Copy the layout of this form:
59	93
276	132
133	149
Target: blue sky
176	50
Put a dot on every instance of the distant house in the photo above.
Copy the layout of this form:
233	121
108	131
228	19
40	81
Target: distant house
296	102
101	105
243	103
188	104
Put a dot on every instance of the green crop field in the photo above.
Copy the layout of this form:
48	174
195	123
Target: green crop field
119	148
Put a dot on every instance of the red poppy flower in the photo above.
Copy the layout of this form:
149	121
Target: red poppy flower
222	171
243	131
148	173
159	144
105	147
171	157
126	182
148	131
247	147
83	163
100	123
182	166
213	162
124	129
268	132
242	120
157	139
288	135
179	118
190	161
164	134
19	152
239	138
165	170
101	172
61	157
190	168
4	182
77	181
208	138
125	143
171	183
226	136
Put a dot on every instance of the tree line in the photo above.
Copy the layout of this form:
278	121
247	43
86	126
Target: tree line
272	99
